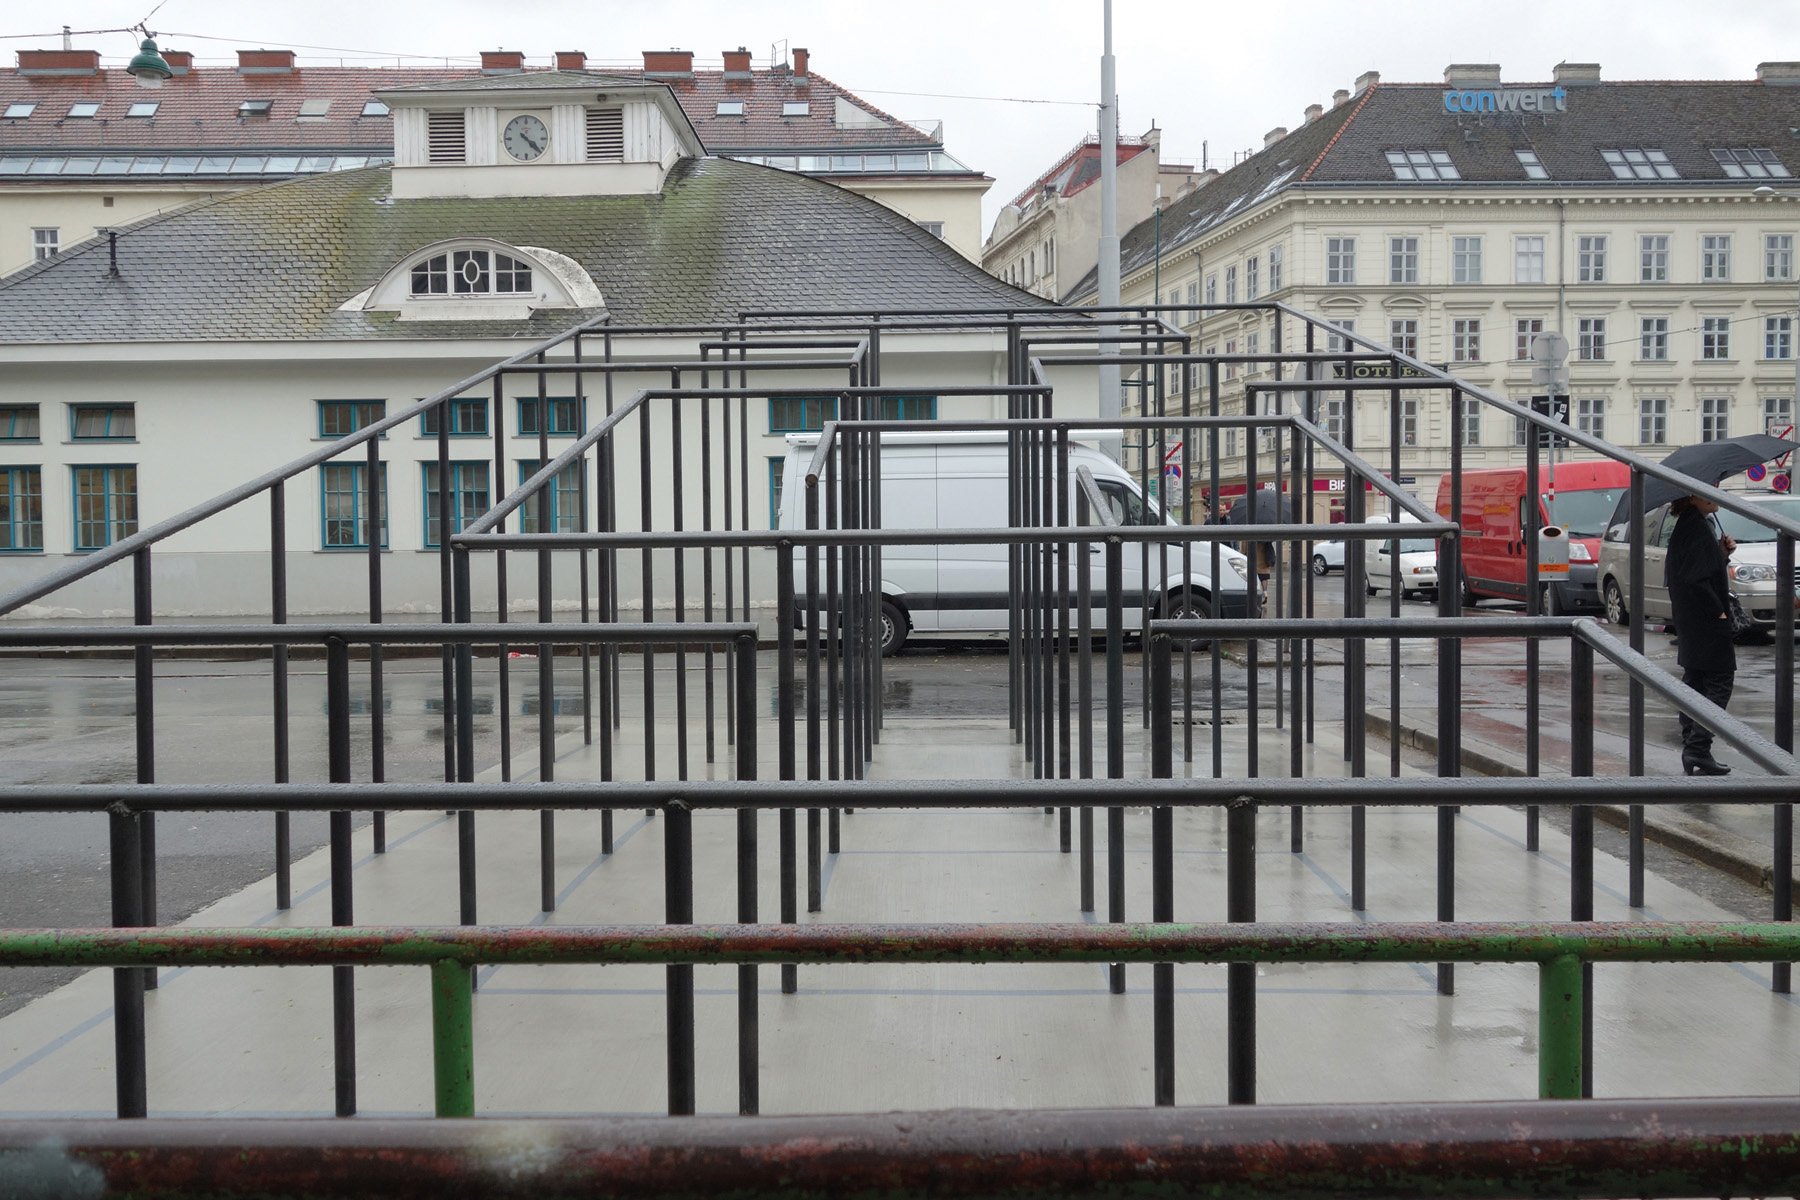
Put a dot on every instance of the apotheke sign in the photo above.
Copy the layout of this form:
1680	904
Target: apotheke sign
1506	100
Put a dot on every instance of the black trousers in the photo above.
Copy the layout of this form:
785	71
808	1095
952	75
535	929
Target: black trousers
1697	739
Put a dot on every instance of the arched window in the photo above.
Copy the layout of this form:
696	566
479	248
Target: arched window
470	273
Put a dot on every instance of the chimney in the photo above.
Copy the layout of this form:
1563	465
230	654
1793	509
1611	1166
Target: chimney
180	61
571	60
800	57
1338	97
737	63
265	62
1773	74
502	62
1576	73
1472	75
1274	135
1314	112
59	62
668	64
1367	80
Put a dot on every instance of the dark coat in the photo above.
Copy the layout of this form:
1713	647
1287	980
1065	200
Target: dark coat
1695	574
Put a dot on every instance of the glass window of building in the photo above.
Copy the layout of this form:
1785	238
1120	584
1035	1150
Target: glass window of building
1471	421
344	506
1653	258
45	243
1590	258
1231	285
1715	418
1252	270
1715	337
1465	260
1778	415
1534	169
1715	257
1336	342
1524	329
1590	415
1275	257
1423	165
1528	258
1778	337
1409	420
1465	340
1212	288
1743	162
1340	260
1403	335
1590	339
1639	162
1653	420
1778	257
106	505
1403	260
1653	339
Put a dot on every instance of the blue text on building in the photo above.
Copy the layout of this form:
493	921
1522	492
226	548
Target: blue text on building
1504	100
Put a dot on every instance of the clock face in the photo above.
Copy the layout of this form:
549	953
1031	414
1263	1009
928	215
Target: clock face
525	137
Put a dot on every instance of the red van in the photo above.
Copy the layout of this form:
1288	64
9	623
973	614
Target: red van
1496	523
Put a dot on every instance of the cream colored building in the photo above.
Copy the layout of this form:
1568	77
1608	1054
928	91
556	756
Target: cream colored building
1046	240
1655	225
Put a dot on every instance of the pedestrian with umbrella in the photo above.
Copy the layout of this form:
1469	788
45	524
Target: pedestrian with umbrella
1261	507
1696	574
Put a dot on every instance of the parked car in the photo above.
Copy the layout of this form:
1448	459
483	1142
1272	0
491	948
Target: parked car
1498	520
1752	565
1417	560
1327	557
951	480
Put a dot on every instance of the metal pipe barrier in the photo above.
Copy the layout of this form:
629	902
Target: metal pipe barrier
1559	950
1663	1148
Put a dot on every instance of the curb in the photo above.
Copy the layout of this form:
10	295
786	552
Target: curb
1735	856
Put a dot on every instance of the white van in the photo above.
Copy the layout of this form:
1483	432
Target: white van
1418	562
959	481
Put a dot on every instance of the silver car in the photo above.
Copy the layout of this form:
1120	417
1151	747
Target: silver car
1752	564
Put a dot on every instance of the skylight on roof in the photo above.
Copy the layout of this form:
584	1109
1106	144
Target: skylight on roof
1742	162
1274	185
255	108
1534	169
313	110
796	108
1634	162
374	108
20	110
143	108
1422	164
84	108
729	108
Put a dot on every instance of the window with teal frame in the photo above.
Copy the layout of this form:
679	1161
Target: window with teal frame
105	504
21	510
468	497
19	423
468	418
566	416
801	414
777	469
568	514
344	506
102	422
909	408
341	418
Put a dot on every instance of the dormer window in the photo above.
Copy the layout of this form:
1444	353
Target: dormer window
374	108
471	273
250	109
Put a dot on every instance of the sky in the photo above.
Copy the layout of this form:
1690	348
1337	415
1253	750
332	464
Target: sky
1017	83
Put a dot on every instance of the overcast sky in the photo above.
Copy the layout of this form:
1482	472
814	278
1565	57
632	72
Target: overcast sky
1211	75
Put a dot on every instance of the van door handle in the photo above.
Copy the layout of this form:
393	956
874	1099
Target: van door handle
1096	550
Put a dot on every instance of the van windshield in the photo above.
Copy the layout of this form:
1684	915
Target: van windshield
1584	513
1743	529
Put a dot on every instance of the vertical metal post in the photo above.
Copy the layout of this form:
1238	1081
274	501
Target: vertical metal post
1529	522
343	986
546	523
130	1074
1634	510
1581	833
749	1021
1084	599
1115	744
1562	1048
278	654
1162	867
373	478
465	735
785	750
501	652
815	891
1783	814
453	1039
144	720
1240	987
678	909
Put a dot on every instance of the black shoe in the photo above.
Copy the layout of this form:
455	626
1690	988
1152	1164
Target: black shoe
1703	764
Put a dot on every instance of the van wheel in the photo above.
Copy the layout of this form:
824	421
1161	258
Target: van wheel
1616	613
894	628
1319	565
1371	588
1189	605
1469	598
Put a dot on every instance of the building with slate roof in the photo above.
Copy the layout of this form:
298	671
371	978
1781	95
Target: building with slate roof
144	372
82	147
1652	223
1049	236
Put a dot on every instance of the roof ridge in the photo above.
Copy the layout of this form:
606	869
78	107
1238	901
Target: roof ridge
1339	132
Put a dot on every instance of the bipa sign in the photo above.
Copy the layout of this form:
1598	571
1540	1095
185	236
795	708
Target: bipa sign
1507	100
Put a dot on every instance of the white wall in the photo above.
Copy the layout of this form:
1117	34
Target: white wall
78	211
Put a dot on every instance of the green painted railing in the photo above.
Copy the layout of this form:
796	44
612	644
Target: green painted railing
1559	950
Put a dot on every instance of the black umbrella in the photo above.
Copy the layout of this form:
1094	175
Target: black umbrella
1261	508
1708	463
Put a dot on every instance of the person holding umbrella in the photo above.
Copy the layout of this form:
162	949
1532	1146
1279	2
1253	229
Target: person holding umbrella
1695	572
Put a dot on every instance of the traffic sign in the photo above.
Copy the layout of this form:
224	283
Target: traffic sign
1782	481
1757	473
1557	409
